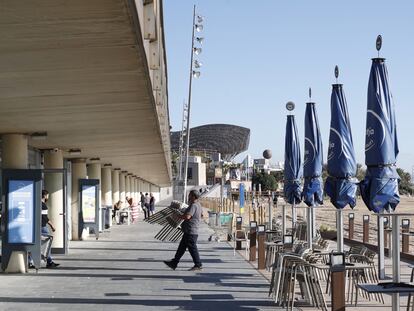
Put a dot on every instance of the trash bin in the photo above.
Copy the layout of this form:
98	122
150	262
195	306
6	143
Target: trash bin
212	219
108	217
225	218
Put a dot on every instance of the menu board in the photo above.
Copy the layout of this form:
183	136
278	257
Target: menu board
21	212
89	203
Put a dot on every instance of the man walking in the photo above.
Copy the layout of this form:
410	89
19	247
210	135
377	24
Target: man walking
45	233
192	218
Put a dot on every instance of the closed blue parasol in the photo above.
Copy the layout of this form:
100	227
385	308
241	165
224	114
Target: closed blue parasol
312	165
379	189
292	174
340	185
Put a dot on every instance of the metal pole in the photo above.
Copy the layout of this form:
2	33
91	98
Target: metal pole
340	230
381	254
309	226
294	217
187	147
270	226
222	185
181	151
395	259
313	223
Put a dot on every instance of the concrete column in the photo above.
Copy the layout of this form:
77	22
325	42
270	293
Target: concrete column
131	189
53	159
128	186
106	189
115	185
78	172
139	186
94	172
15	155
122	187
136	189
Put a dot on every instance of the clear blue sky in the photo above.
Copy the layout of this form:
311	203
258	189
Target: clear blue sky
260	54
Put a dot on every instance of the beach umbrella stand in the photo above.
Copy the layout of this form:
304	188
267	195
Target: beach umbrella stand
340	184
292	169
312	194
379	189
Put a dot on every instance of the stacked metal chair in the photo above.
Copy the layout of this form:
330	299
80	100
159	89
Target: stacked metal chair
171	221
293	267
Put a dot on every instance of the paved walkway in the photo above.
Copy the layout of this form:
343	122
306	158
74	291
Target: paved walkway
124	271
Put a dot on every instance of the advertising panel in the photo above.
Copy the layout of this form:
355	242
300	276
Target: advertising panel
89	203
20	212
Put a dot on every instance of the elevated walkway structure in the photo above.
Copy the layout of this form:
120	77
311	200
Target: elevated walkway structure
92	76
83	95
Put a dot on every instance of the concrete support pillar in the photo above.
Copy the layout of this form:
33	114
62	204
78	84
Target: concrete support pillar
53	159
15	155
14	151
115	185
94	172
106	189
78	172
131	188
139	186
128	186
136	189
122	178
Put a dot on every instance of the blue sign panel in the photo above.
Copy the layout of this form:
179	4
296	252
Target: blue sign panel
21	212
241	195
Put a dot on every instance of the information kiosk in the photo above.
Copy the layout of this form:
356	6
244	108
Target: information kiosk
21	214
89	209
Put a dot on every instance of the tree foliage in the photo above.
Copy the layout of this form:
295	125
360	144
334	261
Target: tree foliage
267	181
405	186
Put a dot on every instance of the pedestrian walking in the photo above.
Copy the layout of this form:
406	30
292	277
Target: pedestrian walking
46	234
152	204
147	205
192	217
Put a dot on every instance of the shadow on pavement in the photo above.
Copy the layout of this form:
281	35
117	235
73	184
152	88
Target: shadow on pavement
200	302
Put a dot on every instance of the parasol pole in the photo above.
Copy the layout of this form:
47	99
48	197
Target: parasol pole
309	227
339	212
340	230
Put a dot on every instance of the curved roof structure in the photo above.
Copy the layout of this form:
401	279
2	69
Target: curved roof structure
227	139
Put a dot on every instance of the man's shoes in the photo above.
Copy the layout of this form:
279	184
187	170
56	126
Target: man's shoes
31	266
52	265
170	264
196	268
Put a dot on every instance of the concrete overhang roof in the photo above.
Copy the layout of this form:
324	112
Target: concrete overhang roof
77	70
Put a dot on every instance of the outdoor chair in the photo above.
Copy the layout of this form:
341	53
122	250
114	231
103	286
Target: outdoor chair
295	267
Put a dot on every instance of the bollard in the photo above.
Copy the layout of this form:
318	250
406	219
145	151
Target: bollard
239	222
351	226
365	229
253	228
261	252
405	228
337	267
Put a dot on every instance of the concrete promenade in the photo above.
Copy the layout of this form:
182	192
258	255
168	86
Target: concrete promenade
123	270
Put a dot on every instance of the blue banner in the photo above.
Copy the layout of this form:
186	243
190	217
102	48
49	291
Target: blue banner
241	195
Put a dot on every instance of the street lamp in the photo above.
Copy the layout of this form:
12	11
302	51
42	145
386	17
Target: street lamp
194	64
